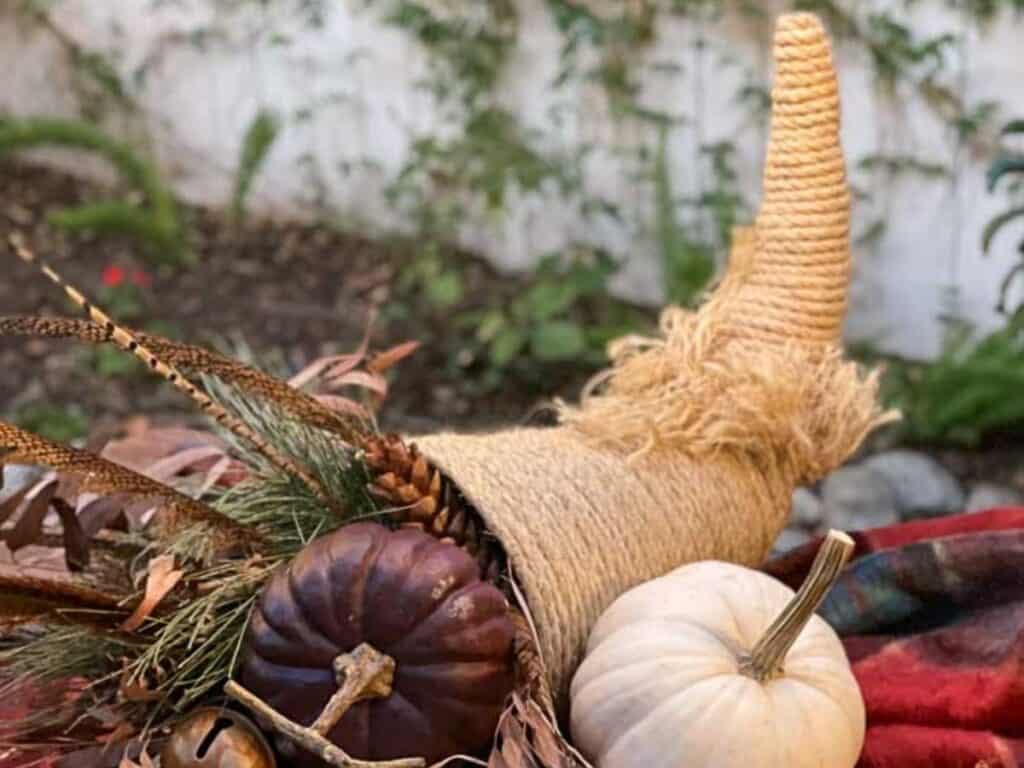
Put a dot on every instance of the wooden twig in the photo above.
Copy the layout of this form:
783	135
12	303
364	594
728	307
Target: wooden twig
366	673
363	674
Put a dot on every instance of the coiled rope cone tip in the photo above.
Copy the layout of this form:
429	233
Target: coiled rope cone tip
692	446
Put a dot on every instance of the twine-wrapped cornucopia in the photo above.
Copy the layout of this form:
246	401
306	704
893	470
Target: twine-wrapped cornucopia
690	446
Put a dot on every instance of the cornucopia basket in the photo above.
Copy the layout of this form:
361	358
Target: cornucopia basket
692	445
687	449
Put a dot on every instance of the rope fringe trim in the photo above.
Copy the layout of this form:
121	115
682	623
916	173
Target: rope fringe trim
802	410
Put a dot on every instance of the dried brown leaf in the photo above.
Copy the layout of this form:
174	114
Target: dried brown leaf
122	731
549	745
76	541
336	365
130	689
343	405
138	514
168	467
145	761
214	475
511	745
528	734
139	450
97	512
29	527
319	367
373	382
10	506
35	560
136	425
382	361
526	738
162	578
100	474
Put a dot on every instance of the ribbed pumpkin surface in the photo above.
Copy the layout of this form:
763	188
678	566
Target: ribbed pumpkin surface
411	597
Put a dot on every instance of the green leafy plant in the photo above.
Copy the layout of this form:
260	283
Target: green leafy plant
429	276
54	422
156	224
109	363
468	44
441	179
547	321
259	140
1007	165
970	392
619	34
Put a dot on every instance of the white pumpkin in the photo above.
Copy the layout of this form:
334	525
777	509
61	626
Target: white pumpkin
719	666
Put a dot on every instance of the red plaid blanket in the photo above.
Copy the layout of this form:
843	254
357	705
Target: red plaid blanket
932	618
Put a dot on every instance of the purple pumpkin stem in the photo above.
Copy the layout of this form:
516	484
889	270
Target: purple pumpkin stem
363	674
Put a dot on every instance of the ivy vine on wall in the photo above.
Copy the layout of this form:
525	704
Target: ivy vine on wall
609	46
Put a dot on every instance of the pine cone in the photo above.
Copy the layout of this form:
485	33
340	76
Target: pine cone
422	497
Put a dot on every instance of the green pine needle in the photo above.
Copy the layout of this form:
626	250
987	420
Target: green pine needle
193	648
282	506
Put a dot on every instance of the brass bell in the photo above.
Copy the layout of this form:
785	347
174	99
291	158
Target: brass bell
216	738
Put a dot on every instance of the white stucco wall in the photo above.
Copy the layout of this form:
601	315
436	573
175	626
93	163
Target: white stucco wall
359	77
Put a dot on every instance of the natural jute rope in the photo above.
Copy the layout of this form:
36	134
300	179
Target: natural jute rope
690	446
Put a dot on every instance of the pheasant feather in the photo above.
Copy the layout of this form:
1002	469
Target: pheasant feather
130	343
103	476
26	599
189	357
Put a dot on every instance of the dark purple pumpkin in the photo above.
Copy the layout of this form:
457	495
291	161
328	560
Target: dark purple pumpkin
411	597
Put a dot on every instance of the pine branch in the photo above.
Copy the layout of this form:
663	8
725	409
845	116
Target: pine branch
278	504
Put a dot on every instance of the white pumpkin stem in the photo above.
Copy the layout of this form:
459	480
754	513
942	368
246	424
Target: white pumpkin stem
766	659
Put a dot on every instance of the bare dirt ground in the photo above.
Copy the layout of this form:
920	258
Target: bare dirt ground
287	292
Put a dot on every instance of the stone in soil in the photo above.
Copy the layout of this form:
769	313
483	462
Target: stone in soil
923	487
806	510
18	476
790	538
858	497
989	495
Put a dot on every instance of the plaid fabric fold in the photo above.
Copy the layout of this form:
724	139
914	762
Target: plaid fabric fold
932	618
910	746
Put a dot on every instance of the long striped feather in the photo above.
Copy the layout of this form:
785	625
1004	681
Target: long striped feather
103	476
189	357
131	344
25	599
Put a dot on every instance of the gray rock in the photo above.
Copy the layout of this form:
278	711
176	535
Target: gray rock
988	495
857	497
18	476
806	511
790	538
924	488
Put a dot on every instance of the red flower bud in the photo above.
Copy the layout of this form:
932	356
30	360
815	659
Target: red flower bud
113	276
